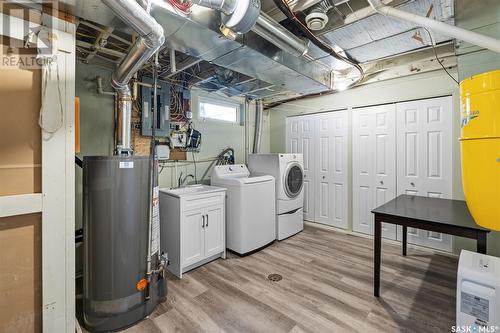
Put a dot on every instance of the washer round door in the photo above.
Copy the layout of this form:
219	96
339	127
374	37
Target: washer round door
294	180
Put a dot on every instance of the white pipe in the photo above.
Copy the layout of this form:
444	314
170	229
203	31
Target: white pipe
486	42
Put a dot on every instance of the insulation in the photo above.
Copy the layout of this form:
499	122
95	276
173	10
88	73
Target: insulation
378	36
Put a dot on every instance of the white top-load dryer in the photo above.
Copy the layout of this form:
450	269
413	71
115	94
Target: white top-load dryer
250	207
289	173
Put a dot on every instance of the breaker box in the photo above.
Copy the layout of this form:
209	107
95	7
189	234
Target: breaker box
162	121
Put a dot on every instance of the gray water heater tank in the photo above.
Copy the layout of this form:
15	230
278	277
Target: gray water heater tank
115	224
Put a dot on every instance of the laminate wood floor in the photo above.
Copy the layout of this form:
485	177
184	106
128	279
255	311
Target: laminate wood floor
327	286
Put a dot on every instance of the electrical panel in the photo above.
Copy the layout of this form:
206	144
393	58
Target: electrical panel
162	121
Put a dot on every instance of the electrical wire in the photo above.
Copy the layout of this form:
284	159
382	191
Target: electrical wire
195	170
185	8
433	44
285	8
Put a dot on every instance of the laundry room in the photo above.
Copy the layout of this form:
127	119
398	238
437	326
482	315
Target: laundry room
250	166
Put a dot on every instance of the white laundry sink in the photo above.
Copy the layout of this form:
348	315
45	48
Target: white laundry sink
192	190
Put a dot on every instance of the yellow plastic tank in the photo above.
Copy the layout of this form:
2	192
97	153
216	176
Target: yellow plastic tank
480	147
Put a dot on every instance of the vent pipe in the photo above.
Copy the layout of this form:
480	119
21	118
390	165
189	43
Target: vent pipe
437	26
238	15
276	34
259	110
150	39
242	16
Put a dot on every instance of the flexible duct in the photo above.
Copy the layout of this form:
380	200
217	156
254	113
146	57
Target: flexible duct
150	39
438	26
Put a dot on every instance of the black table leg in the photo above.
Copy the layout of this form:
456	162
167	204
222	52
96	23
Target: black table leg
405	236
481	242
376	256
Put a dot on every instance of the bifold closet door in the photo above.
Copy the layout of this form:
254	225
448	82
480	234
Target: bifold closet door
331	144
374	165
424	150
300	137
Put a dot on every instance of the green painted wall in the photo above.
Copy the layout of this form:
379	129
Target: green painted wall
96	121
482	16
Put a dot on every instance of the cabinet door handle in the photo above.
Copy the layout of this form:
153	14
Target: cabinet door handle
203	221
207	220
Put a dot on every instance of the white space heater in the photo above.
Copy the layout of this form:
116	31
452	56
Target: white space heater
478	291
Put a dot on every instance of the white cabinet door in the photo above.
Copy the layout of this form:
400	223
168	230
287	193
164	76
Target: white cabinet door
424	150
192	237
331	169
300	139
214	233
374	165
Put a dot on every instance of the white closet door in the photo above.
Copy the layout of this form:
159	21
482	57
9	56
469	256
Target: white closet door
340	169
300	139
424	150
374	165
331	169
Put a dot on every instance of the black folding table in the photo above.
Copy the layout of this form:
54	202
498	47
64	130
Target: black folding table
446	216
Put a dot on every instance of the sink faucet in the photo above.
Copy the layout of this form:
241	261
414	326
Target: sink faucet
183	180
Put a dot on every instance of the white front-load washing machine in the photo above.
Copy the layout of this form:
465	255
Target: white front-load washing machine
288	171
250	207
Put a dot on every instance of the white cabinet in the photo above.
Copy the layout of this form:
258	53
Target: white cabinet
323	140
424	150
402	148
192	227
374	165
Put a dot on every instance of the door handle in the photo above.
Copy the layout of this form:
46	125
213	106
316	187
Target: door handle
412	184
324	177
207	221
203	221
381	182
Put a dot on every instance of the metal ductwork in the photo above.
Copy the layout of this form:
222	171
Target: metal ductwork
278	71
243	14
151	38
276	34
437	26
274	66
238	15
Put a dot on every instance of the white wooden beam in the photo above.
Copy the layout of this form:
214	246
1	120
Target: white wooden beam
11	205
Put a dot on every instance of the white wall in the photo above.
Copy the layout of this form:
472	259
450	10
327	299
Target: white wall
425	85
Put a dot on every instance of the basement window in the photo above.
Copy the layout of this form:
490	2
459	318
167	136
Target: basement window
217	110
